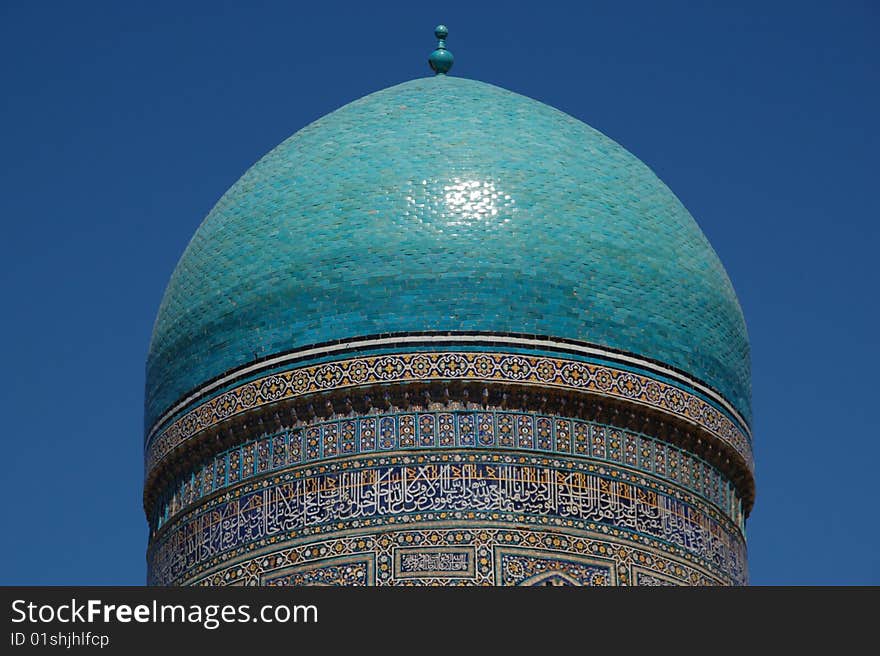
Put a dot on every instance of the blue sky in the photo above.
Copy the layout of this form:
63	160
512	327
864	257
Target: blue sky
122	123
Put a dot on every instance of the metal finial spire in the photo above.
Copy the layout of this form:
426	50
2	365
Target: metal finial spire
441	59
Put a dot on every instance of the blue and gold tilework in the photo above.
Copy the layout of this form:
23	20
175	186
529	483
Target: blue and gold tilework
368	495
541	372
505	430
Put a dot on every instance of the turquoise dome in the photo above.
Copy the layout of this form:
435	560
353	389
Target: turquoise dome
446	204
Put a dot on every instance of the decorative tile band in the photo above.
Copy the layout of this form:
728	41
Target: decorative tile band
364	493
481	341
461	366
503	430
353	570
526	567
502	556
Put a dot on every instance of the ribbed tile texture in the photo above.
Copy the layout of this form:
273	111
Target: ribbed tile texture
447	204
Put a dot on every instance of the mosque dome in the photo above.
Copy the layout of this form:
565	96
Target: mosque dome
448	335
446	204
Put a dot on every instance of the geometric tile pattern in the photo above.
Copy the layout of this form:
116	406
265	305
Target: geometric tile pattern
648	578
546	372
352	570
528	567
577	557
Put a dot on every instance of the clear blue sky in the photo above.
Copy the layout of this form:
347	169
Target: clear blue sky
122	123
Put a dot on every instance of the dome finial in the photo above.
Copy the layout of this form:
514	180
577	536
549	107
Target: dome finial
441	59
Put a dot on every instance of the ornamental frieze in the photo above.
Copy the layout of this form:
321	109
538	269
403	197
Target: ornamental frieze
460	366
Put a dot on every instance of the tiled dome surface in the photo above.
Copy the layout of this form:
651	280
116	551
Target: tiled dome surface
447	204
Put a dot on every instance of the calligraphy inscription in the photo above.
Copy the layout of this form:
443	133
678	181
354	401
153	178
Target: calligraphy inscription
443	562
293	508
436	562
590	440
